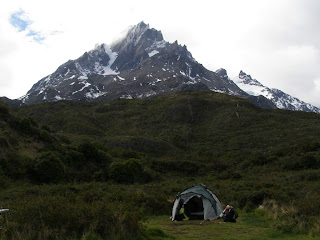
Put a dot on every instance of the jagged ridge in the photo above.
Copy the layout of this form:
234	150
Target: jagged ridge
279	98
140	64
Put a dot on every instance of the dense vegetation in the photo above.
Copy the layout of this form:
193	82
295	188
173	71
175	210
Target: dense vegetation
72	170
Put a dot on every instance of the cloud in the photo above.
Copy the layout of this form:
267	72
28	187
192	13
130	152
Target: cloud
21	21
37	36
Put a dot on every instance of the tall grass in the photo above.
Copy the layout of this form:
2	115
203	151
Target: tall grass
297	216
59	217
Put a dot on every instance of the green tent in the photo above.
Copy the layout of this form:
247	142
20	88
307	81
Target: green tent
198	203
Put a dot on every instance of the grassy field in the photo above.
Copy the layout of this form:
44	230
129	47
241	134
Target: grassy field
249	226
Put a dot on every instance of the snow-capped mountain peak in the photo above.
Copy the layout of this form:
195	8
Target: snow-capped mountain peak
246	79
135	35
142	64
131	35
139	64
280	99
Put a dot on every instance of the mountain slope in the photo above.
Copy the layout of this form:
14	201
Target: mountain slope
141	64
21	136
280	99
197	117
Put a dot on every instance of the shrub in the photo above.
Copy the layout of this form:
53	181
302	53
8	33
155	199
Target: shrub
49	168
229	174
74	158
4	143
298	216
181	166
4	110
259	160
27	125
309	161
124	153
17	166
92	153
46	128
307	147
45	136
3	180
129	171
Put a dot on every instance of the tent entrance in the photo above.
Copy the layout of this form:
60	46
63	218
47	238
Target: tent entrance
193	208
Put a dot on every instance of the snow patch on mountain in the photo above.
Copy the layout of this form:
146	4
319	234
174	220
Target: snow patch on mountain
58	98
94	93
113	56
82	78
158	44
279	98
154	52
86	84
100	68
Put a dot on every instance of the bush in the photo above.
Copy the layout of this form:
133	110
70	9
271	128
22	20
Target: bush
46	128
124	153
181	166
129	171
17	166
74	158
45	136
297	216
229	174
49	168
4	143
296	163
4	182
27	125
4	110
309	161
92	153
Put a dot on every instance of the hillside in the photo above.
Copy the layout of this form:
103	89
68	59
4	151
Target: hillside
190	120
144	151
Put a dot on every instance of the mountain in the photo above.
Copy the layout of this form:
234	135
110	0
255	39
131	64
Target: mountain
280	99
140	64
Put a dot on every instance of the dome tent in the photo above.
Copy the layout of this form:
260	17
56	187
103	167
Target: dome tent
198	202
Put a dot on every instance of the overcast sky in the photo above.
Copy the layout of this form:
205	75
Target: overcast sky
277	42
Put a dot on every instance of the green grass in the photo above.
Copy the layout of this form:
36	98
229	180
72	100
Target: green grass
249	226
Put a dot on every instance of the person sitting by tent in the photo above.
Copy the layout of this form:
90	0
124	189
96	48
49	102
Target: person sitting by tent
181	214
229	214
